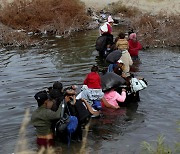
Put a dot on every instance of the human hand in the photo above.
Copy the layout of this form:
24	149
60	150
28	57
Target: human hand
123	89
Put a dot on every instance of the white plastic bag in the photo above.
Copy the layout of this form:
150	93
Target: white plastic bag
137	85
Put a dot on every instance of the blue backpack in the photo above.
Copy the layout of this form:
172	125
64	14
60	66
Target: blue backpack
97	105
72	125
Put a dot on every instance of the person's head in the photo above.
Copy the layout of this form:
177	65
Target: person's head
110	20
133	36
41	97
94	68
130	31
58	85
70	95
120	64
121	35
54	94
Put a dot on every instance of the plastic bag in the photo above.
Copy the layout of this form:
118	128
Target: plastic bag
137	85
111	80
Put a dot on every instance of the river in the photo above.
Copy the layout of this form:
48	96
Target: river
25	72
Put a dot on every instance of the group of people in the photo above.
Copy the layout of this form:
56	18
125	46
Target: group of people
122	42
58	101
50	107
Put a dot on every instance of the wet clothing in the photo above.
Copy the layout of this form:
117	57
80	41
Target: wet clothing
134	48
91	94
122	44
45	142
41	119
93	80
114	97
57	96
109	28
126	58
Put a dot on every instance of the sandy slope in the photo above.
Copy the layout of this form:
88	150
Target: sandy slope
170	6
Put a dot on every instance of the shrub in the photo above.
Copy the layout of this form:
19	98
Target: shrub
156	31
57	16
118	7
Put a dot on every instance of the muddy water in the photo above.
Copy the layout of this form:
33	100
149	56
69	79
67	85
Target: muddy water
24	72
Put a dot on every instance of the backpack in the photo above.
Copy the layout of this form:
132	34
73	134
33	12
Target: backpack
101	43
83	113
72	124
97	105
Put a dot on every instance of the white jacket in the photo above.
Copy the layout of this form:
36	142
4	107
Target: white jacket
126	58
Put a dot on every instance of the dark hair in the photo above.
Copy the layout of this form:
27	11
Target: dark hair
121	35
58	85
130	31
94	68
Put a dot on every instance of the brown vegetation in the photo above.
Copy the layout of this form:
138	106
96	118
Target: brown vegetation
116	8
55	16
160	30
155	31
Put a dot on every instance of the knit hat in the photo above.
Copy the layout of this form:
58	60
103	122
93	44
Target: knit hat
110	19
132	36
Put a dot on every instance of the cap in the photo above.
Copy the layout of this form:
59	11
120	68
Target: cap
41	97
110	19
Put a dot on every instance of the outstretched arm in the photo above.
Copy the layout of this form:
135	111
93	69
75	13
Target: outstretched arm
90	108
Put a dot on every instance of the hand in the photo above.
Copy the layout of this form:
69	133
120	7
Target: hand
117	107
123	89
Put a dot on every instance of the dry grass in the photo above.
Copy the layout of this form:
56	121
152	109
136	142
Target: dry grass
55	16
22	143
119	8
10	37
157	31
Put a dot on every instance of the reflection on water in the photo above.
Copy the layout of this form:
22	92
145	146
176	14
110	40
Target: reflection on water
24	72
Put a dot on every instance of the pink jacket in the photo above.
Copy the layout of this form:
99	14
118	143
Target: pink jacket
112	97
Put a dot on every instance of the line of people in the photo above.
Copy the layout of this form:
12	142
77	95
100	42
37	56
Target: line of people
58	101
106	43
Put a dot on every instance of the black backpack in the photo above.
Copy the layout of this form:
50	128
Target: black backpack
101	43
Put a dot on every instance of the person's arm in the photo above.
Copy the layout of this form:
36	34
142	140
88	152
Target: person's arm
90	108
86	80
122	97
139	46
130	60
117	44
51	115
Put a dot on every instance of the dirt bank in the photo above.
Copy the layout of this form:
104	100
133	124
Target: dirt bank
154	6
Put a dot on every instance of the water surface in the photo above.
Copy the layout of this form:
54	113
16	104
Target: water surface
24	72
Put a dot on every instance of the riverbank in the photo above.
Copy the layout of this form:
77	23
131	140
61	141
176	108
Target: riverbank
154	21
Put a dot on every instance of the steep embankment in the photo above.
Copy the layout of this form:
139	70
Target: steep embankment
154	6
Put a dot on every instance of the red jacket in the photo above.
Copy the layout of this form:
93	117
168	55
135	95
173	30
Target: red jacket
93	80
134	47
